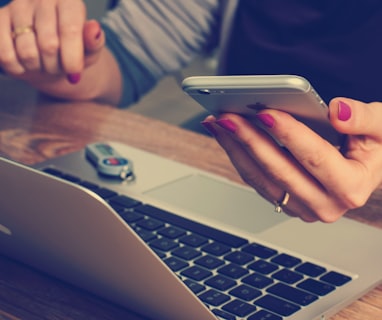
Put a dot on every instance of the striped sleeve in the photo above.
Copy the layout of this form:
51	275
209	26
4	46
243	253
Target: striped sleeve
153	38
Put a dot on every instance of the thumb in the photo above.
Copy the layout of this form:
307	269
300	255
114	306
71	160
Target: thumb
354	117
94	40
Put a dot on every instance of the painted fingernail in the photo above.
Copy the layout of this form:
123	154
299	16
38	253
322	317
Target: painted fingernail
227	125
98	35
209	127
344	111
74	78
266	119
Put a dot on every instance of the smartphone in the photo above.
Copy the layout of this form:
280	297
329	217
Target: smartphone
246	95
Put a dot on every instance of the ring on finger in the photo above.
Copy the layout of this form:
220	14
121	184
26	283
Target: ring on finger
282	203
18	31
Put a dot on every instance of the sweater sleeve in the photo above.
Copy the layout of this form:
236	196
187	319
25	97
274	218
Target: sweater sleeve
154	38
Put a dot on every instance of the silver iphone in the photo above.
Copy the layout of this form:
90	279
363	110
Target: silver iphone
246	95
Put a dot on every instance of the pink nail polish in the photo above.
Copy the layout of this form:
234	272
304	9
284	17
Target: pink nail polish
98	35
344	111
74	78
266	119
209	127
227	125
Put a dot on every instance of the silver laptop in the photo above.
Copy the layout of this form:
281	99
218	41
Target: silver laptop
179	243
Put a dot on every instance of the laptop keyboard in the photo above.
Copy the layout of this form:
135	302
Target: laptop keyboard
235	278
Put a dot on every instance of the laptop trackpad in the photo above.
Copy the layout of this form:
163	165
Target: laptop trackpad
214	199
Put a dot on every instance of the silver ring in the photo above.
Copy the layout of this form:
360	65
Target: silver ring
282	203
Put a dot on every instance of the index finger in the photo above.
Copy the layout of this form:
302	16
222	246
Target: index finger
340	175
71	20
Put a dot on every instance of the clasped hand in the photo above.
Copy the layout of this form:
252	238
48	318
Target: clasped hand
42	38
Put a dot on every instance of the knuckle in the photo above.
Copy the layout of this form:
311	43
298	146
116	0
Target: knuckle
71	30
28	55
9	63
50	46
354	200
7	57
329	214
314	159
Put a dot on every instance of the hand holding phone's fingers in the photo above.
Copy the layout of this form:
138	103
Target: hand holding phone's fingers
266	167
315	172
327	164
353	117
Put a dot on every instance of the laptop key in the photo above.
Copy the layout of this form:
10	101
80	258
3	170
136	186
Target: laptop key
286	260
163	244
233	271
176	264
105	193
263	266
186	253
310	269
214	298
245	292
124	201
216	248
277	305
209	262
194	240
257	280
196	273
201	229
335	278
220	282
259	250
171	232
239	308
130	216
223	315
53	171
298	296
239	257
144	234
150	224
316	287
194	286
287	276
70	178
264	315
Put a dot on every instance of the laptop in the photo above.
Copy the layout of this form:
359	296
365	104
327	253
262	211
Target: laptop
176	242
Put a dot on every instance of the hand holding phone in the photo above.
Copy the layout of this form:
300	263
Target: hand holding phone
246	95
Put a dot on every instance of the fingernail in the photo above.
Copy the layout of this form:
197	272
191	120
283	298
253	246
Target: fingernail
74	78
344	111
98	35
209	127
227	125
266	119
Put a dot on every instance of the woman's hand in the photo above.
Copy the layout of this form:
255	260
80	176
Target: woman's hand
323	182
50	44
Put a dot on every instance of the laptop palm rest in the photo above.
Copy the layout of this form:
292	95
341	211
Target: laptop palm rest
219	201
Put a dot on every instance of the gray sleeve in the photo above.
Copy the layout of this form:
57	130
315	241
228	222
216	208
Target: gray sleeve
165	35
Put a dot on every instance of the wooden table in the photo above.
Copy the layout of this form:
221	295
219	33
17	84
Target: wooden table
34	128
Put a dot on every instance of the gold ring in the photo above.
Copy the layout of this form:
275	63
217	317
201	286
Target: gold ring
282	203
21	30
